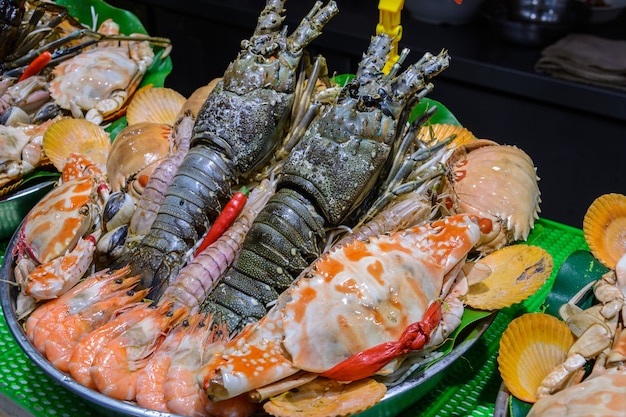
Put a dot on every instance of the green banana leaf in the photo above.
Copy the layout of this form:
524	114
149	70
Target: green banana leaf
442	116
38	176
86	10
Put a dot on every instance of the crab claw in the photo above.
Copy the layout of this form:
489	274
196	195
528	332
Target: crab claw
369	361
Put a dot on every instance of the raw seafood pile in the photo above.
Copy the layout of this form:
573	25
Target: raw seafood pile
353	197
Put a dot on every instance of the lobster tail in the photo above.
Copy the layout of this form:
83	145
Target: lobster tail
191	204
284	239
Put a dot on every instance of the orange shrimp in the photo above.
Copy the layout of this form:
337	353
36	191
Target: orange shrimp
47	306
98	286
67	333
151	379
85	351
183	393
115	366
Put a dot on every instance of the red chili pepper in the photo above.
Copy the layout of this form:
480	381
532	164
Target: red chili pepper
225	219
36	65
368	361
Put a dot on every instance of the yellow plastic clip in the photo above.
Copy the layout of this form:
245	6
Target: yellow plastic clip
389	23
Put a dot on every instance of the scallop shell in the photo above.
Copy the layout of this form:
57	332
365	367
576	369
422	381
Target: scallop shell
507	276
604	227
76	136
442	131
531	346
137	148
156	105
324	397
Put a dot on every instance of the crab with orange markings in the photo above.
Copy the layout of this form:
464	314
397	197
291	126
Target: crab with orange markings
382	299
390	289
57	240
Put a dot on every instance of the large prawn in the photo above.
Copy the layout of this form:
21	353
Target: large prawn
239	125
331	171
116	365
42	321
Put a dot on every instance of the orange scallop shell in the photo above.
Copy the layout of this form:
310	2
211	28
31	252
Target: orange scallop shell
531	347
156	105
510	275
76	136
440	131
604	227
324	397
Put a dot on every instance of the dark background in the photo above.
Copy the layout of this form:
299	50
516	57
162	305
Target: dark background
575	133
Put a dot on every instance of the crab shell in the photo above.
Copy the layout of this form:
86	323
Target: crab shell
92	76
369	293
20	151
136	151
600	396
60	219
103	78
498	182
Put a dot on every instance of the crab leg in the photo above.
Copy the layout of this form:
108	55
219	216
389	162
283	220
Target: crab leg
49	280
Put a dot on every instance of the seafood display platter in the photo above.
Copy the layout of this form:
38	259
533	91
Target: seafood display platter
456	379
458	383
